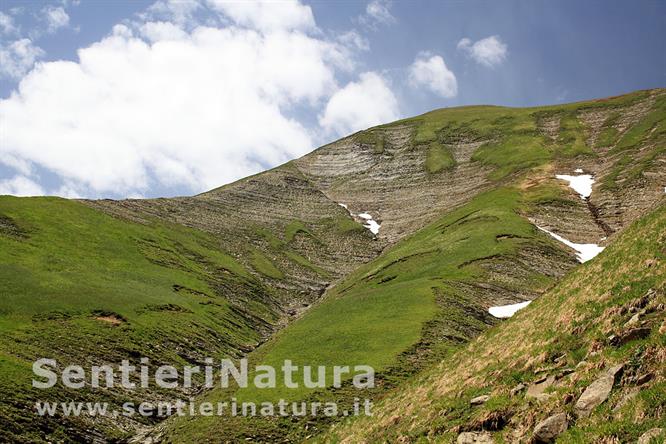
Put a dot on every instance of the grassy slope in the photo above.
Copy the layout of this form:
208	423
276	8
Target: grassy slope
75	265
378	313
63	266
570	320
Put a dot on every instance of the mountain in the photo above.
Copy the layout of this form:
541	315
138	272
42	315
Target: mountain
604	322
385	248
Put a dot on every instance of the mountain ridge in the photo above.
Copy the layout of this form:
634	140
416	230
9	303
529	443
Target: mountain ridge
262	252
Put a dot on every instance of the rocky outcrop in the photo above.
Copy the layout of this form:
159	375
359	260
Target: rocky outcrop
550	428
597	392
652	436
393	185
479	400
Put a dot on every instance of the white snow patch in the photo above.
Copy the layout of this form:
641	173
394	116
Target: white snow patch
578	170
582	184
584	252
506	311
370	223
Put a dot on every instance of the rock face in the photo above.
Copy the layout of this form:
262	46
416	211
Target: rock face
475	438
597	392
549	429
385	182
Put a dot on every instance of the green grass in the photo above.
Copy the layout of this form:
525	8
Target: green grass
655	120
609	134
572	137
372	138
438	158
513	154
75	258
166	284
293	228
265	266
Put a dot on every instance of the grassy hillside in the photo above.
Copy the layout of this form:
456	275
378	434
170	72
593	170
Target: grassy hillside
428	294
457	192
405	310
82	287
565	334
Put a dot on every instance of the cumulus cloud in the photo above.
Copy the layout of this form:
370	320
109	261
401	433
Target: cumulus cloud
362	104
20	186
267	15
18	57
377	12
490	51
155	105
430	71
55	17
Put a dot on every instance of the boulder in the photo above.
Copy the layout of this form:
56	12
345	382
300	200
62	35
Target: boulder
479	400
475	438
597	392
550	428
651	436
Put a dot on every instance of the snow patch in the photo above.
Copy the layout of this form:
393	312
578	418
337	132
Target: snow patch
582	183
584	252
578	170
369	223
506	311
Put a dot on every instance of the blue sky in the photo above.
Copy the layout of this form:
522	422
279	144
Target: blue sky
172	98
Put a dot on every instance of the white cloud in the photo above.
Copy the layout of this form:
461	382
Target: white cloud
154	105
55	17
352	39
180	12
360	105
430	71
7	25
377	12
18	57
490	51
267	15
20	186
156	31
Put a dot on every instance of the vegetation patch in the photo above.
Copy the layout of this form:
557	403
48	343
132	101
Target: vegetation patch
652	126
513	154
374	138
265	266
438	158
